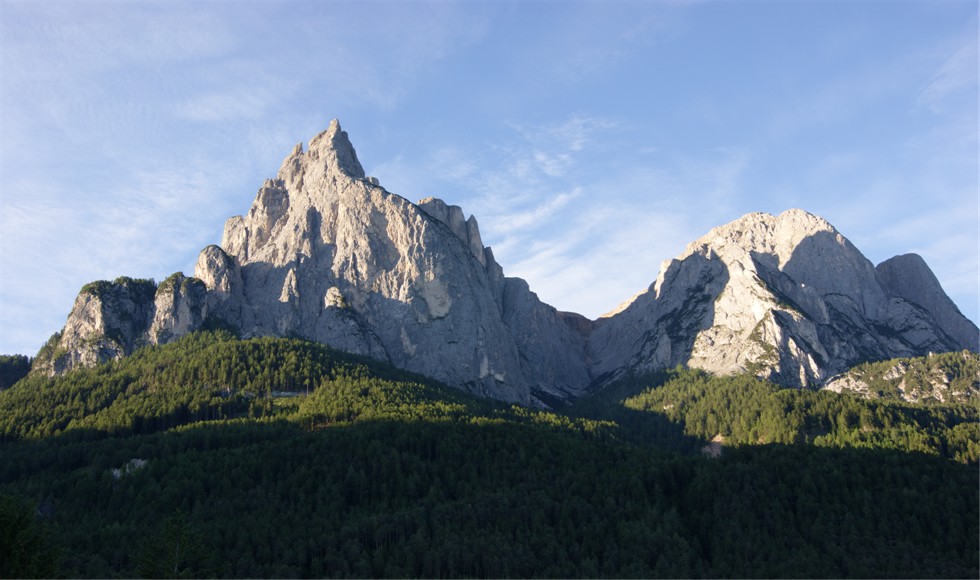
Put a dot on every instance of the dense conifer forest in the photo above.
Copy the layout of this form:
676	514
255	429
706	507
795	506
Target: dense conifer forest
214	456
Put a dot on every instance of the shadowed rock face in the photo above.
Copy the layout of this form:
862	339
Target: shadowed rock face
328	254
908	278
792	300
112	319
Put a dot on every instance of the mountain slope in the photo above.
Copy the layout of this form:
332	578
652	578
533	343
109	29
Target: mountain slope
952	377
367	471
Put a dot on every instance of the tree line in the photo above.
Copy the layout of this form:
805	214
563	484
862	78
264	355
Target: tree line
368	471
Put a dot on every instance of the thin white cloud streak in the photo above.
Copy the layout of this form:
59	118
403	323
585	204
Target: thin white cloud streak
957	74
584	243
612	248
541	213
603	258
54	241
571	135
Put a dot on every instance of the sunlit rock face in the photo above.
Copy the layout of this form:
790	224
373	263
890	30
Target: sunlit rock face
784	297
108	321
328	254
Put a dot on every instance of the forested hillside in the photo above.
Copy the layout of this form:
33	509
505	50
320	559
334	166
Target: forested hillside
213	456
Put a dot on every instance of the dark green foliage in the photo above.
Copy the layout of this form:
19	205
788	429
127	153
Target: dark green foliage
400	498
690	407
268	457
25	550
178	281
13	368
177	551
746	410
139	289
789	511
97	288
153	389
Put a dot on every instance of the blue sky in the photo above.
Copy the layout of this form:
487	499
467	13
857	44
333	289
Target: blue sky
592	140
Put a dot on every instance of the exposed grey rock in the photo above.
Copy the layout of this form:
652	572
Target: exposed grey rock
947	378
909	278
787	298
327	254
452	215
108	321
222	278
179	307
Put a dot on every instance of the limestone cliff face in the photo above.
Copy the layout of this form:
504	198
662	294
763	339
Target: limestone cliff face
112	319
908	278
179	307
107	322
328	254
785	297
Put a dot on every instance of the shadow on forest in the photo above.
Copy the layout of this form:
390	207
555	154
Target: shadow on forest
436	499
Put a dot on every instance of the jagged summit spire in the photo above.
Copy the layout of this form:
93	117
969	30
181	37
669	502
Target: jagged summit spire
335	147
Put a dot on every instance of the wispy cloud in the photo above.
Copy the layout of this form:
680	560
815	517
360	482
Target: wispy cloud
958	74
571	135
538	214
584	240
54	241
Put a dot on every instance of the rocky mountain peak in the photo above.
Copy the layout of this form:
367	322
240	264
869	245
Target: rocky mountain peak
330	255
764	234
786	297
334	147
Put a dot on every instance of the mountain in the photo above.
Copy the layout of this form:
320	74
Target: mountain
783	297
328	254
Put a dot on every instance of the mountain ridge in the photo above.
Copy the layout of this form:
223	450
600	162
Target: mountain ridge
328	254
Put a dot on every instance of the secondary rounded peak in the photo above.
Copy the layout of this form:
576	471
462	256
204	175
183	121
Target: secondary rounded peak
794	218
910	260
764	232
